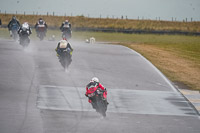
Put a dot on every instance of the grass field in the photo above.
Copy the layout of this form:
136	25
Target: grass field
81	21
177	56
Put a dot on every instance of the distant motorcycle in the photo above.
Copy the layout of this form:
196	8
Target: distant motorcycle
24	38
41	31
66	30
99	103
65	58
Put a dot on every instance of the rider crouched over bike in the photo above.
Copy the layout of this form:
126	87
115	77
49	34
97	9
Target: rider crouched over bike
13	25
94	83
66	29
41	26
63	45
24	30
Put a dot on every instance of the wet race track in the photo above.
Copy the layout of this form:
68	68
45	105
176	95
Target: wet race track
38	96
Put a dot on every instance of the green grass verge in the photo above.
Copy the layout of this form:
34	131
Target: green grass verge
81	21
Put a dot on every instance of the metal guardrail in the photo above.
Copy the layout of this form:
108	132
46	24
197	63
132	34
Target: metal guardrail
131	31
128	31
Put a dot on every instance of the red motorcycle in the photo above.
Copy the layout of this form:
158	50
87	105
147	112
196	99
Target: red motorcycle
98	100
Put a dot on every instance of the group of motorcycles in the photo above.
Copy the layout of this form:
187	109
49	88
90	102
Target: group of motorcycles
96	95
22	33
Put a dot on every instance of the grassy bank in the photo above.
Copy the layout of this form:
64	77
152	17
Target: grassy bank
177	56
81	21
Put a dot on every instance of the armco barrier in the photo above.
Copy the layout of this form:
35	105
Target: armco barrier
129	31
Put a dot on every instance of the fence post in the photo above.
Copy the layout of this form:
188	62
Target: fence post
47	14
24	13
16	12
53	13
191	19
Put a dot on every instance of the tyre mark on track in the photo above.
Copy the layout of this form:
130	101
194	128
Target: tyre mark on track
81	117
28	96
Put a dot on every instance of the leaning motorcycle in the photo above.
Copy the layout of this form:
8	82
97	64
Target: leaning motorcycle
24	38
98	100
41	31
65	58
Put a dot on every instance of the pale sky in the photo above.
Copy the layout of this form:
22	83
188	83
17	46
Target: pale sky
147	9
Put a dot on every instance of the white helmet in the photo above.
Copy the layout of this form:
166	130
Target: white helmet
25	25
95	79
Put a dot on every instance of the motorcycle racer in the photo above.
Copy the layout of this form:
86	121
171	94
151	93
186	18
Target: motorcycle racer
24	29
65	25
94	83
41	24
13	25
62	45
66	29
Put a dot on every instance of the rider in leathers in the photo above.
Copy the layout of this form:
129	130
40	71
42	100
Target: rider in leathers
66	24
24	29
63	45
95	83
41	22
13	22
66	27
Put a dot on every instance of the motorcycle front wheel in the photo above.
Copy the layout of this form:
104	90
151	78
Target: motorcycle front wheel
101	108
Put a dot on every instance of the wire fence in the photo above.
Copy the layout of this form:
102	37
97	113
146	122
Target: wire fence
130	31
173	19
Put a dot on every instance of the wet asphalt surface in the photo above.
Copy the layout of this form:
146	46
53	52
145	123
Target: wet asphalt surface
38	95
